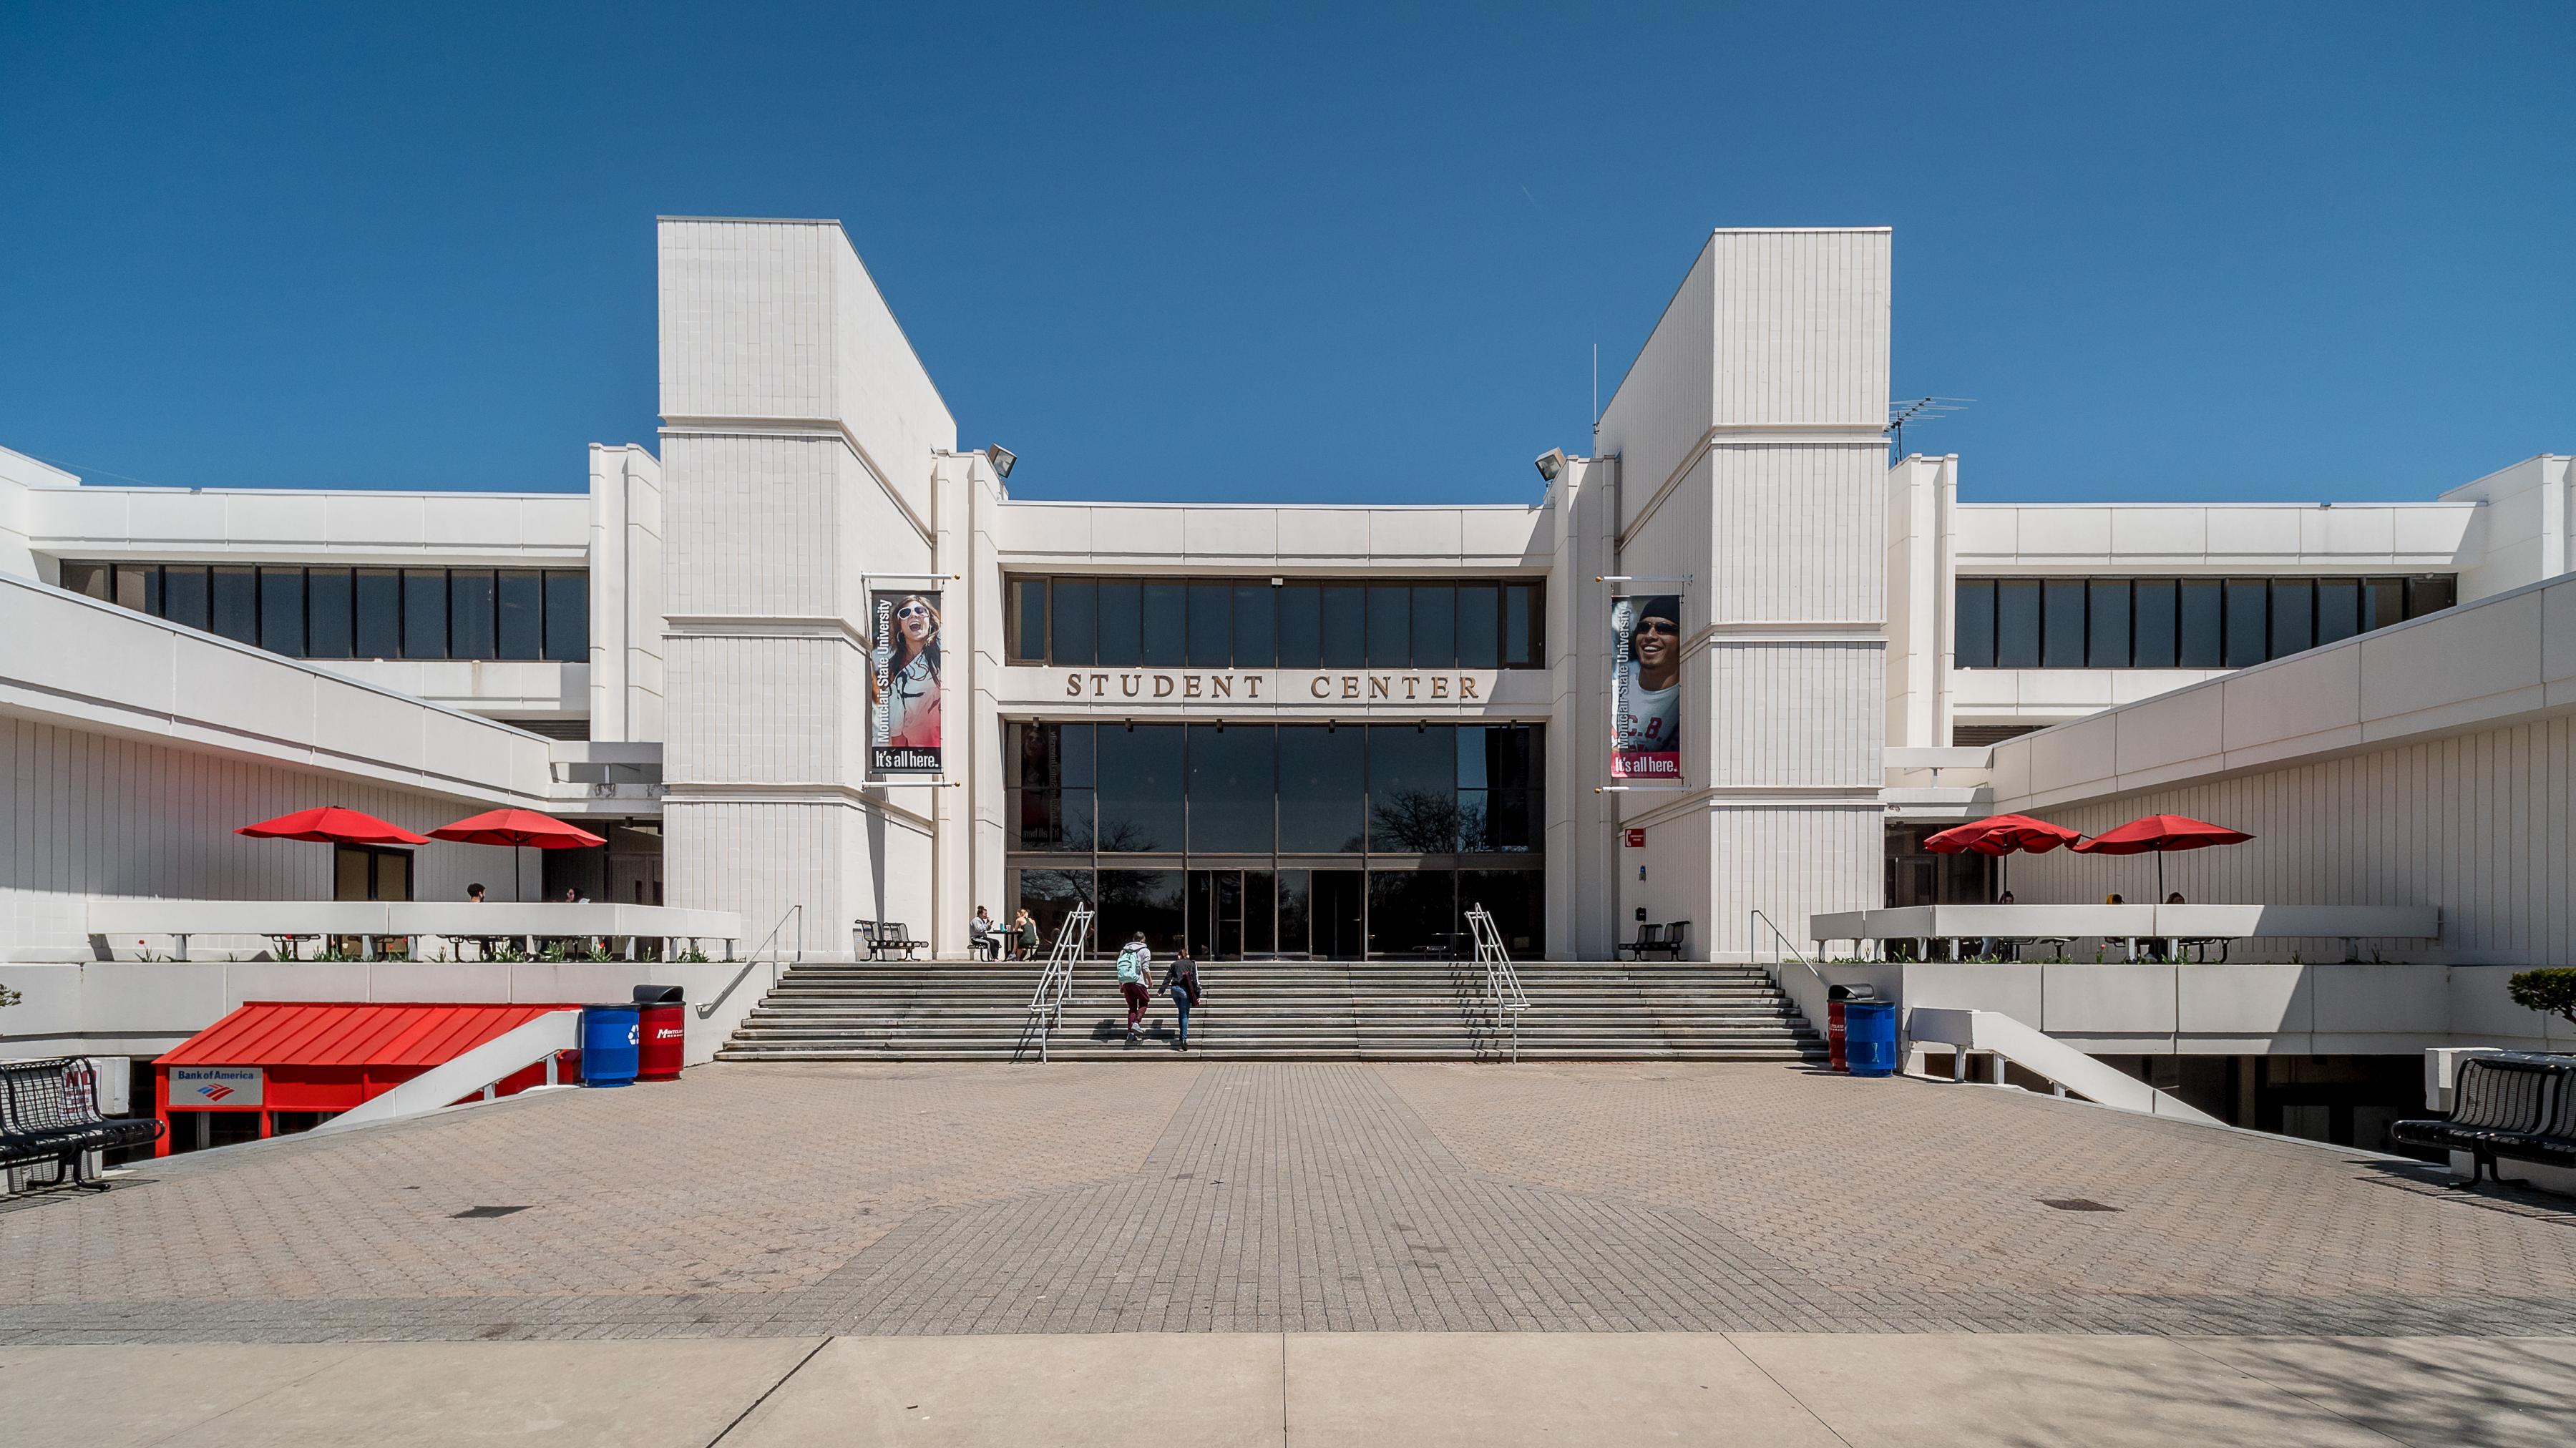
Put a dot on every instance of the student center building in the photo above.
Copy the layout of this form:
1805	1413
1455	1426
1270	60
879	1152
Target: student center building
1727	668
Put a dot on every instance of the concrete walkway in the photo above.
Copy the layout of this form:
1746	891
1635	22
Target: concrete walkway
1422	1390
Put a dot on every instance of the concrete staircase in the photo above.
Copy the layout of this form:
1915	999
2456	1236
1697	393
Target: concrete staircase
1283	1010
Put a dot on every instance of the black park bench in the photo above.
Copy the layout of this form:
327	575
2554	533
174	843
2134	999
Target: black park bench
49	1113
2518	1105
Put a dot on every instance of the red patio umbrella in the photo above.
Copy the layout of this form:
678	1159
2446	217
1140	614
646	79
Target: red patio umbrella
518	828
2160	835
332	825
2001	835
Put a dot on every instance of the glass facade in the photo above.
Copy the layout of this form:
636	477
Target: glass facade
1286	839
2165	623
360	613
1292	624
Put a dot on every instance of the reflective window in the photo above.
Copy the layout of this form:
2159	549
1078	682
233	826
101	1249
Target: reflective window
1322	788
183	595
1254	624
1211	625
233	603
2154	622
2203	641
1140	788
469	614
1524	627
1255	605
1480	626
2017	624
1345	625
1435	626
424	613
1231	787
1140	900
2294	617
2162	623
1301	626
1166	642
1028	643
1413	792
2248	637
379	621
521	619
1972	622
1073	618
281	611
327	604
2061	644
1390	631
138	586
2106	630
1413	912
1122	624
568	617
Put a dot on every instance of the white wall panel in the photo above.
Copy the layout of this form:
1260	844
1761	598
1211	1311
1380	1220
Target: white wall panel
85	814
2477	824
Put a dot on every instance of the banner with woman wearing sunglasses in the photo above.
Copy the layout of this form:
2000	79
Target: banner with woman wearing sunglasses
1646	686
903	683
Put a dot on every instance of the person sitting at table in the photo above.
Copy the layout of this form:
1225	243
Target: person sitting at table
2175	898
2113	899
474	894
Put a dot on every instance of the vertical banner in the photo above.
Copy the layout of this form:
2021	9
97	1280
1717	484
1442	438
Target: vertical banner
903	682
1646	686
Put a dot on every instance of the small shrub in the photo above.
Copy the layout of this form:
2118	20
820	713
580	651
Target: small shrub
2552	991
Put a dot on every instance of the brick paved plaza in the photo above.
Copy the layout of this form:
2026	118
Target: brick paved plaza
1268	1253
1172	1196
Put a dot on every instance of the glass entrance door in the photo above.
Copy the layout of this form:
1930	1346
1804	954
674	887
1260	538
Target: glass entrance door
1216	914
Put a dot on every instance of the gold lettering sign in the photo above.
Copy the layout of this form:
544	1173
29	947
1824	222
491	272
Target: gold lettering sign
1322	686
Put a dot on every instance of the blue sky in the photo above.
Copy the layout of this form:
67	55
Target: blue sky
1294	253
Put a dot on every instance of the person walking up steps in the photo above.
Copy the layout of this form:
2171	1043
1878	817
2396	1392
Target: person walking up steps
1136	981
1181	983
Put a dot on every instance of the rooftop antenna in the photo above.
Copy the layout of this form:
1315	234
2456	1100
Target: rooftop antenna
1918	411
1596	387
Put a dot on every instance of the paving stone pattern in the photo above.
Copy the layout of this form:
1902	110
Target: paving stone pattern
1174	1196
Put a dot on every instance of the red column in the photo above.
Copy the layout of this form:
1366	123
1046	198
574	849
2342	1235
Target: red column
161	1109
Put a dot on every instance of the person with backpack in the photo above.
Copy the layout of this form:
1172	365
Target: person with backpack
1181	983
1136	981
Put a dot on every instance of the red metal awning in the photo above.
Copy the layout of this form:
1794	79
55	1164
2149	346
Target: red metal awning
329	1033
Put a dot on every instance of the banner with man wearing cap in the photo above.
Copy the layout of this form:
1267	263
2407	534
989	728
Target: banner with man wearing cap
1646	686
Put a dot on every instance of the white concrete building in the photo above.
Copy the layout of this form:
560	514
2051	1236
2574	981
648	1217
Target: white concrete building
1283	729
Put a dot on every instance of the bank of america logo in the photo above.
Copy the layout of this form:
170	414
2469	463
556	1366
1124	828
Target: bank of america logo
214	1091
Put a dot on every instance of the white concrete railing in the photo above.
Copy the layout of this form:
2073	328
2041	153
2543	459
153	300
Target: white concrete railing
2131	922
450	1082
2009	1040
124	918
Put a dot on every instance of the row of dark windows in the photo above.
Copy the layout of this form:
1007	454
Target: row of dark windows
1328	914
360	613
2176	623
1414	789
1292	624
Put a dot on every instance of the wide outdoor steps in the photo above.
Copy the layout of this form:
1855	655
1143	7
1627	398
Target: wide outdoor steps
1379	1010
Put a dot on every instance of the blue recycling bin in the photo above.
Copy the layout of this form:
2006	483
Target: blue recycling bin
610	1036
1869	1037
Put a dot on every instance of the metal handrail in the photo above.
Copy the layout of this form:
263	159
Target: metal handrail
1782	942
1502	982
707	1009
1055	981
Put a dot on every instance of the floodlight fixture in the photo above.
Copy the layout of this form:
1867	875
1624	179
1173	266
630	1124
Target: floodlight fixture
1002	458
1551	463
